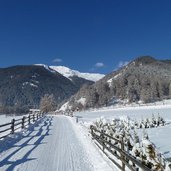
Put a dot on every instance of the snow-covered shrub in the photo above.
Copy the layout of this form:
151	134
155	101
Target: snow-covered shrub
141	148
150	123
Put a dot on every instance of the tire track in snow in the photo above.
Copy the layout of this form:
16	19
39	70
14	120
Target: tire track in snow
71	156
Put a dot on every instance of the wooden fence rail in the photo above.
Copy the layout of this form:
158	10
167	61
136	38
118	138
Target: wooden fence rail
15	124
118	151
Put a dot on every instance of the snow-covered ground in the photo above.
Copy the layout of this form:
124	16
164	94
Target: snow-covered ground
159	136
55	143
7	118
59	143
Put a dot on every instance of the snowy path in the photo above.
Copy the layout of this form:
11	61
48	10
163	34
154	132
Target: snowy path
53	145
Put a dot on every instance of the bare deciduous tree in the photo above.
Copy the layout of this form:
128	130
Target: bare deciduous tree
47	103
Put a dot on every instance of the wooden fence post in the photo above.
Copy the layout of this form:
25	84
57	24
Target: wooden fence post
22	124
92	132
102	136
91	127
29	120
12	126
76	119
33	117
122	156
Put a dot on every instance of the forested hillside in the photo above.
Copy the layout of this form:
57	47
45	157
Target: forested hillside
22	87
145	79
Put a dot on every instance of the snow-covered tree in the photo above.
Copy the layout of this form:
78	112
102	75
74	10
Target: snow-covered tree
47	103
142	149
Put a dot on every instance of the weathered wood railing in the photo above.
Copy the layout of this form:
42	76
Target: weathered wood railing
16	124
110	149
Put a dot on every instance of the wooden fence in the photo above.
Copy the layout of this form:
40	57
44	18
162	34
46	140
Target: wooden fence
16	124
110	149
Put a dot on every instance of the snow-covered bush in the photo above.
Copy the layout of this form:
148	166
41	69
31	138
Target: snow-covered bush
150	123
140	147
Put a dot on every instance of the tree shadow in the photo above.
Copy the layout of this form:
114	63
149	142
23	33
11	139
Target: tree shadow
42	130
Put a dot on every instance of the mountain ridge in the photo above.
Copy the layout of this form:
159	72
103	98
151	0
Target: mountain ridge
144	79
24	85
69	73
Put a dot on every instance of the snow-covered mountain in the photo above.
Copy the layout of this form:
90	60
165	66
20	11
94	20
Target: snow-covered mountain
46	67
144	79
67	72
25	85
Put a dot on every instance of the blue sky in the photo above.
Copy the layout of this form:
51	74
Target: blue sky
86	35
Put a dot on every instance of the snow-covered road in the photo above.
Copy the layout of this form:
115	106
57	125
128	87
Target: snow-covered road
53	145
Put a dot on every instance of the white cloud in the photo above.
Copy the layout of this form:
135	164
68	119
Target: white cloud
99	65
122	63
57	60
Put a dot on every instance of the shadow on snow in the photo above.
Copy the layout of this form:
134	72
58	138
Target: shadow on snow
41	127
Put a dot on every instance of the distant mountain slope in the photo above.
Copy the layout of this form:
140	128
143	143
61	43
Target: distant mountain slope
67	72
25	85
73	75
144	79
